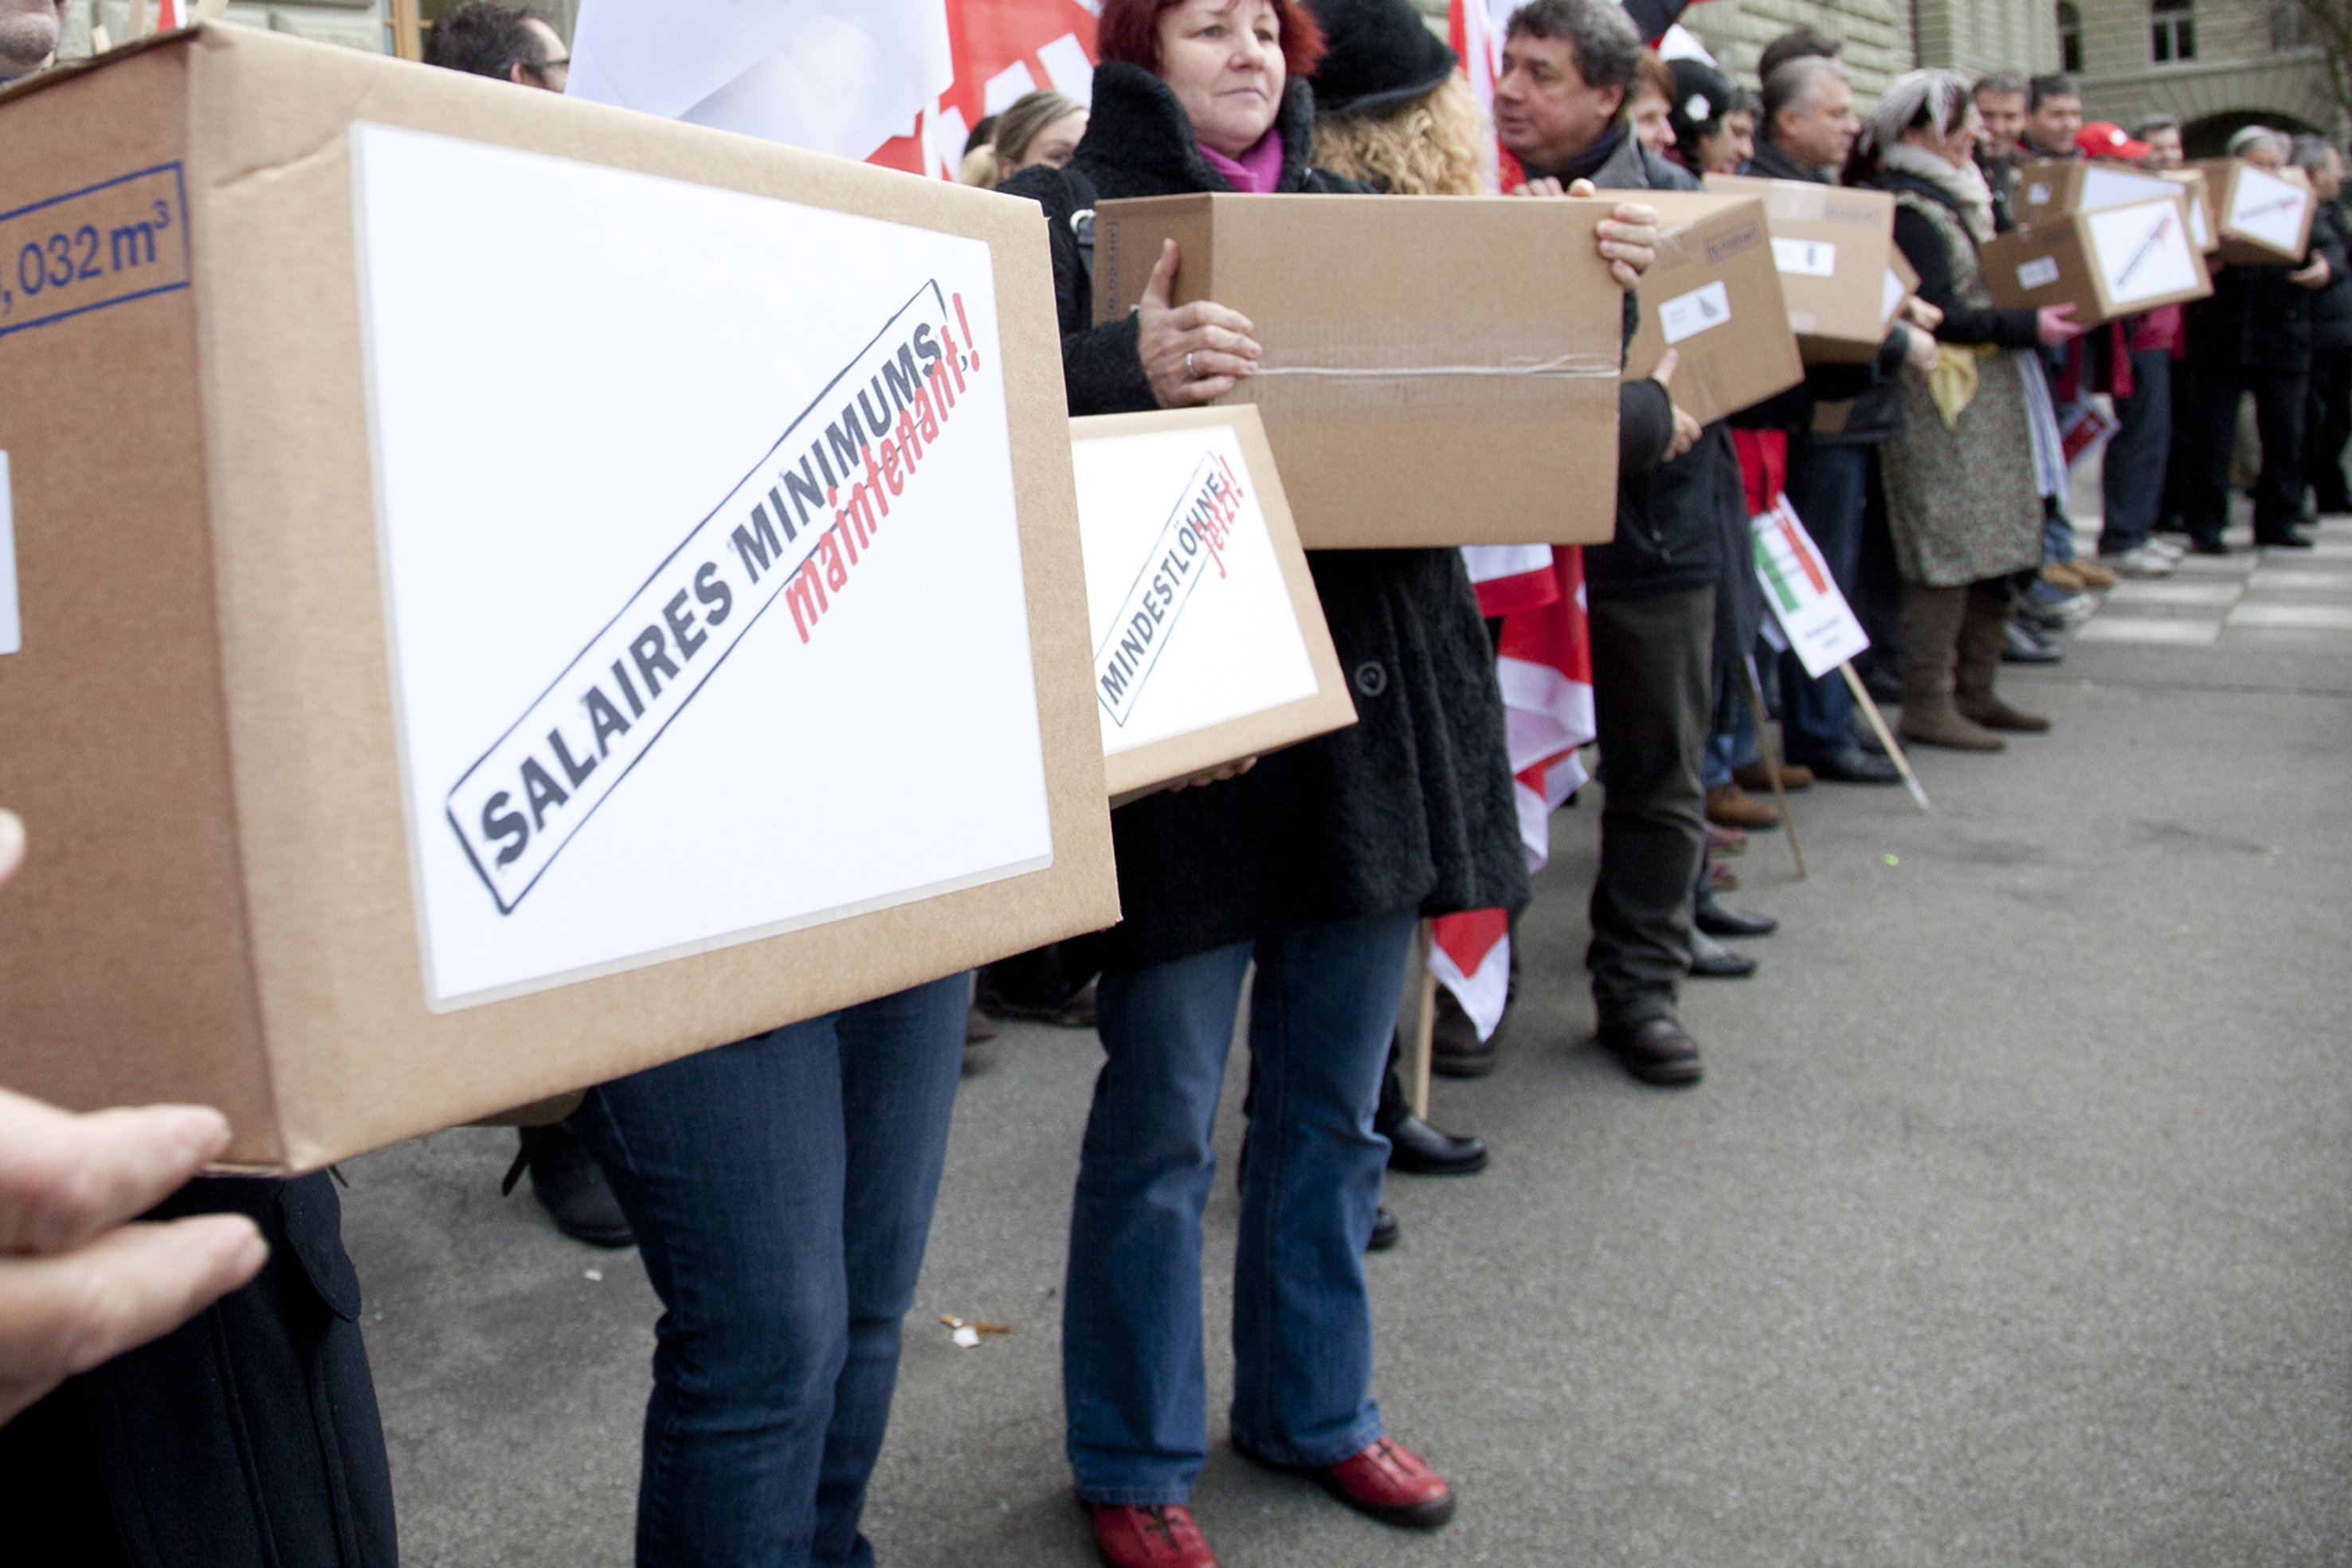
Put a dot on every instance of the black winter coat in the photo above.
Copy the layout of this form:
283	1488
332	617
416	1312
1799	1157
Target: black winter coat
1671	530
2331	308
1409	809
1923	248
2256	320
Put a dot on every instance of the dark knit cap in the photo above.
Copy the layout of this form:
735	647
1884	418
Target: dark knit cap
1380	54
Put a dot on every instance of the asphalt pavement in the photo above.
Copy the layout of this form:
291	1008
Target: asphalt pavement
2012	1224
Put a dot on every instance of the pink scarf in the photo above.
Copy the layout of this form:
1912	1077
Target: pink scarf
1259	170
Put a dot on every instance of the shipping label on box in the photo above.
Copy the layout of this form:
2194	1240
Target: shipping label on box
1454	383
2107	264
1210	645
1830	246
570	548
2264	215
1714	295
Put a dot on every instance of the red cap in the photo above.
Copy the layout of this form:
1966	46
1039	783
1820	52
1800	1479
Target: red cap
2106	139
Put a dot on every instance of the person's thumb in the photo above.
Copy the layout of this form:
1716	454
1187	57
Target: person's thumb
1664	374
1161	287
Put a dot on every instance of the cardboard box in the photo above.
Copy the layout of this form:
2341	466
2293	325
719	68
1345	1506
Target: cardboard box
2203	227
2265	216
1715	293
394	457
2054	187
1210	645
1832	246
1437	370
2107	264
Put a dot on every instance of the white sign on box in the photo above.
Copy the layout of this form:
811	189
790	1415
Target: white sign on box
673	672
1806	257
1710	305
1801	593
2267	209
2143	250
1192	622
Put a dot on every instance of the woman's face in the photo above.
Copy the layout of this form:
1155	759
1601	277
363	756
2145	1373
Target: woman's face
1222	59
1054	145
1731	145
1651	127
1959	148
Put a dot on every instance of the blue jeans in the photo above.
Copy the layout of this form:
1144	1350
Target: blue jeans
781	1189
1134	1379
1828	486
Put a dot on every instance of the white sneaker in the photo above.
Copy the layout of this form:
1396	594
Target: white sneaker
2165	548
2143	561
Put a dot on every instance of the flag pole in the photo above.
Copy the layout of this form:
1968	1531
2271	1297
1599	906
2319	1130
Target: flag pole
1878	727
1771	759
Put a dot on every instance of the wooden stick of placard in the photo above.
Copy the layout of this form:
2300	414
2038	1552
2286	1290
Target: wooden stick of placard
1886	736
1771	755
1417	1017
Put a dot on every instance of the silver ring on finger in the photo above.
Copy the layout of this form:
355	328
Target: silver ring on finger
1188	365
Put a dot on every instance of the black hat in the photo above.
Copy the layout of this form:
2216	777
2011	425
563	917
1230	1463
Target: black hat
1702	95
1381	53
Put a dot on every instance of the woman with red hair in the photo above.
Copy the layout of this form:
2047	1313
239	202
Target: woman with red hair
1315	867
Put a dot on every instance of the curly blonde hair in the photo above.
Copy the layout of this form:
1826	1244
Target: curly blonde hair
1426	147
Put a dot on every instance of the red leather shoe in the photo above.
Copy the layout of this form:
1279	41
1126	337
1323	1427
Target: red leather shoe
1160	1536
1393	1484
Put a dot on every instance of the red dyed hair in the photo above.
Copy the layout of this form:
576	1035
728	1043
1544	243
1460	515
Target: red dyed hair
1128	30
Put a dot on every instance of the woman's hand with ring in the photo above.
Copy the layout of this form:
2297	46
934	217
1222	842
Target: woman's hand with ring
1191	353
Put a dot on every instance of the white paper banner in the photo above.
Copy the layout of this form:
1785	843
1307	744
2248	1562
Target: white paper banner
1801	593
699	580
1192	620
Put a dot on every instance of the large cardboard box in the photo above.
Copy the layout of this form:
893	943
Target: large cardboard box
472	644
1210	645
1714	292
1830	246
2264	215
2107	264
1437	370
2054	187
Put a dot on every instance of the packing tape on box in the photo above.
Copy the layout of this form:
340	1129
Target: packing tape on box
1420	362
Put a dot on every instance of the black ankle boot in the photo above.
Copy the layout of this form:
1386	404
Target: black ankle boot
568	1184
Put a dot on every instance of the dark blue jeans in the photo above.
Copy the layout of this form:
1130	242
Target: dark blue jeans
781	1189
2131	471
1829	487
1134	1376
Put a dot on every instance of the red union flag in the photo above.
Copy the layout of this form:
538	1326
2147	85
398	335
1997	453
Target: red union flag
1003	48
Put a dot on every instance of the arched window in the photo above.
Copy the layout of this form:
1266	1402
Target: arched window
2070	37
2172	30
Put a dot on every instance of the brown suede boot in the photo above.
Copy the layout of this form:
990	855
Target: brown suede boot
1931	634
1983	631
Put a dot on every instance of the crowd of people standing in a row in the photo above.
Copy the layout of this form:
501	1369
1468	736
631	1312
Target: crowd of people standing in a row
781	1188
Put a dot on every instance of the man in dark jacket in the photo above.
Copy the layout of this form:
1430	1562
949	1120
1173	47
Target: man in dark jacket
1559	110
2327	407
1833	420
2253	336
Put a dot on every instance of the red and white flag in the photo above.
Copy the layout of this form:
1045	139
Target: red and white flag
1000	49
170	13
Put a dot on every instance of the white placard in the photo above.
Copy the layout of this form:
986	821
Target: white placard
11	628
2266	208
1890	296
1805	257
2143	250
1801	593
1192	620
701	573
1706	306
2038	273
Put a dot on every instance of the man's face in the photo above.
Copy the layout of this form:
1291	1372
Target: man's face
1545	112
28	35
1820	133
2051	128
2004	116
2163	148
552	68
